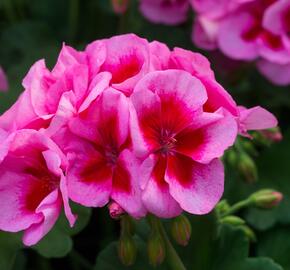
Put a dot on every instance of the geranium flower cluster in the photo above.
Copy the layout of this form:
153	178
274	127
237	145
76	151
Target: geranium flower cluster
245	30
125	121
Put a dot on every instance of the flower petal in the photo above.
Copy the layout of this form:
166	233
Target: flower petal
126	187
196	187
156	196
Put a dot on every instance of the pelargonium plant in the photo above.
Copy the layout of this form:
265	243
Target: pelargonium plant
247	30
126	123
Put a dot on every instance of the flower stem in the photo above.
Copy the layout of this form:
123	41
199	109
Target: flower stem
238	206
172	258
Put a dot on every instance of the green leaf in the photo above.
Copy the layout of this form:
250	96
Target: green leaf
55	244
276	244
9	246
231	252
58	243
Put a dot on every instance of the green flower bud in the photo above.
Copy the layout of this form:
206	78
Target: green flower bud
181	230
232	220
156	249
247	168
266	198
249	233
222	207
127	250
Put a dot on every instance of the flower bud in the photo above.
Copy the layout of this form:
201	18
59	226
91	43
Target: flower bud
247	168
232	220
181	230
272	134
249	233
156	249
266	198
127	250
120	6
116	211
232	157
222	207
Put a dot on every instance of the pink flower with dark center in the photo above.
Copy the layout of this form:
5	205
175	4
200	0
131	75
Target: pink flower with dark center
33	188
101	166
168	12
180	143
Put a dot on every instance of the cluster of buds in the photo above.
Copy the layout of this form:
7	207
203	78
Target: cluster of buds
120	6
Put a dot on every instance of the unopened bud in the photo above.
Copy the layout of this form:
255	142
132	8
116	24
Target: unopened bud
266	198
247	168
222	207
272	134
127	250
232	220
181	230
249	233
116	211
156	249
120	6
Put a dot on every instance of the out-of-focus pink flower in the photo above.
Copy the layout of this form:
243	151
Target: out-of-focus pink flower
3	80
178	171
101	166
120	6
247	30
168	12
33	187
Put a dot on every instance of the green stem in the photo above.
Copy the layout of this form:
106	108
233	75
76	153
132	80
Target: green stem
73	18
173	259
238	206
9	10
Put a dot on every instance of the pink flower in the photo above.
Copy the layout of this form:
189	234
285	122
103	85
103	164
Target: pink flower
181	144
101	165
3	80
247	30
168	12
33	187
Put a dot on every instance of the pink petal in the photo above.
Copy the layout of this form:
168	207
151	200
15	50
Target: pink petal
256	118
50	208
156	196
166	12
209	140
194	63
230	37
218	97
105	121
276	73
126	188
204	33
127	60
159	55
274	19
89	177
67	58
196	187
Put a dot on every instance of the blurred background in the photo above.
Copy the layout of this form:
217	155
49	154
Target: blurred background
36	29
